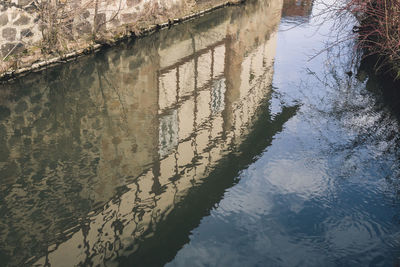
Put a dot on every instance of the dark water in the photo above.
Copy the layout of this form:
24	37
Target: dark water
215	143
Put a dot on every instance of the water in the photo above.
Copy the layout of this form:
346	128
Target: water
215	143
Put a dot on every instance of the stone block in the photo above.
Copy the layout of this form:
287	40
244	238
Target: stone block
9	34
115	22
15	47
24	2
22	20
86	14
3	19
100	20
21	3
129	17
131	3
26	33
84	28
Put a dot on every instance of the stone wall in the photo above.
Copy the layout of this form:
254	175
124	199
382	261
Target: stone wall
110	14
37	33
18	29
21	24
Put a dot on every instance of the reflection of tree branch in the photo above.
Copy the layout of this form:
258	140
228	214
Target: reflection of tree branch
125	117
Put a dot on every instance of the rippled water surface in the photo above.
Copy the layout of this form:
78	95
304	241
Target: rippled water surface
215	143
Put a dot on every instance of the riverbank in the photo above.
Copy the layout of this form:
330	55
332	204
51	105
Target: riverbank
379	33
36	57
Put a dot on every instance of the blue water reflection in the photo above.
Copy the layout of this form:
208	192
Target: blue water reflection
324	193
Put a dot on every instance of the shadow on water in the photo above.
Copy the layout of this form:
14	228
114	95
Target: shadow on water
117	157
382	84
174	232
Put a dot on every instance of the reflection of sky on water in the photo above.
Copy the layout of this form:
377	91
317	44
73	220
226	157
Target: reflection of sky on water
319	195
292	207
101	155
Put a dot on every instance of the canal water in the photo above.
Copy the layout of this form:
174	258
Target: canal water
218	142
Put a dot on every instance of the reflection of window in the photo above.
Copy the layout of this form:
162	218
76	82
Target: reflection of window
168	91
186	78
218	96
168	133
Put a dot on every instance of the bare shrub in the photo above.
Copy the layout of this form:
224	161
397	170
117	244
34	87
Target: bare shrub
379	30
55	20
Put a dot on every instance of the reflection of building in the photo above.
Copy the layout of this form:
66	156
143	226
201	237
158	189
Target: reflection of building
300	9
95	161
